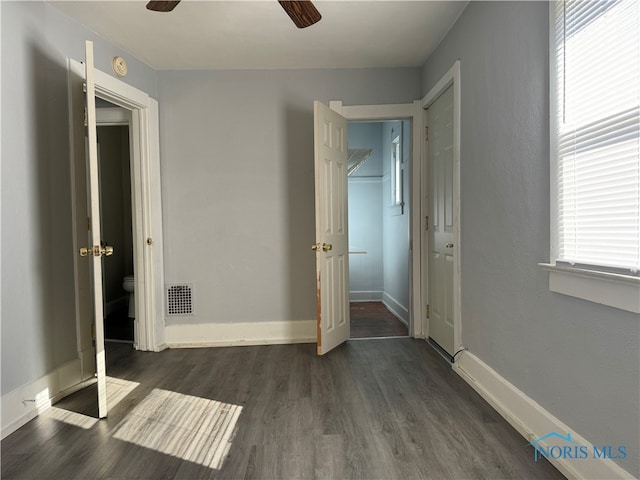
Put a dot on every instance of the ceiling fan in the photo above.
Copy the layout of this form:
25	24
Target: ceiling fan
302	12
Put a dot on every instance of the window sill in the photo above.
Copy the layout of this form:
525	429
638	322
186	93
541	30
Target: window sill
397	210
614	290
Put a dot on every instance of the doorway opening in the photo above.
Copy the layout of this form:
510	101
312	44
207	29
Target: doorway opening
140	112
118	279
379	224
86	84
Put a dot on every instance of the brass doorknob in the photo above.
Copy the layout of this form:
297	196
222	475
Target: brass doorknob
96	251
315	247
326	247
449	245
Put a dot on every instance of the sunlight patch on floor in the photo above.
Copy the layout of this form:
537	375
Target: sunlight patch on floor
69	417
195	429
117	389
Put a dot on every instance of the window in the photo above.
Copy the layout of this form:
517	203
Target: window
595	138
396	171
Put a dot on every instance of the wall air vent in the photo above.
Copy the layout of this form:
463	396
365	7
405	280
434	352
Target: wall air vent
180	299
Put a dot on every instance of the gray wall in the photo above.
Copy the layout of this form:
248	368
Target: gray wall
365	210
365	234
395	225
578	359
238	189
38	317
367	135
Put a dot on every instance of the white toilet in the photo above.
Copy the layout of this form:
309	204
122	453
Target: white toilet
127	285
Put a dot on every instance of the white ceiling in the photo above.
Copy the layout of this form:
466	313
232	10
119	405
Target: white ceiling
259	34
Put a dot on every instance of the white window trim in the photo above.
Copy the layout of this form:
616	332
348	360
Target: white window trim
612	289
396	172
396	182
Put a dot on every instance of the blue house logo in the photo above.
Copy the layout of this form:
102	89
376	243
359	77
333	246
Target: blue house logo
547	451
554	446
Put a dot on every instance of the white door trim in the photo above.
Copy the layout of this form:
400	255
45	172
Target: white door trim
110	116
146	201
451	78
413	112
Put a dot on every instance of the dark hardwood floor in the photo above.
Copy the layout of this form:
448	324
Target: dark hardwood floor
371	409
374	319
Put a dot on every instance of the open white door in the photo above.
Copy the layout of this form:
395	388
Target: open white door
95	251
332	239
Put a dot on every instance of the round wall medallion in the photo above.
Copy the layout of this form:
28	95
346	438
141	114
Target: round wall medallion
119	66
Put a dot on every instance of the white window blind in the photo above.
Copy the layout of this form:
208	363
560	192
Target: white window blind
598	131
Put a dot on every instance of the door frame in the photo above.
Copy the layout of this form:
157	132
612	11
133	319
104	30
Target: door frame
451	78
413	112
146	201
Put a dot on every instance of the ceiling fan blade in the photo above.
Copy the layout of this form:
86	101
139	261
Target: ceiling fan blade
302	12
162	5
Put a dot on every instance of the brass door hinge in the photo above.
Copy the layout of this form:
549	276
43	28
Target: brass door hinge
426	223
426	134
427	311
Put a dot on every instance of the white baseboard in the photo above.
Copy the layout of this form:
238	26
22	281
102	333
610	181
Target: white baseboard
161	347
25	403
396	308
365	296
229	334
531	420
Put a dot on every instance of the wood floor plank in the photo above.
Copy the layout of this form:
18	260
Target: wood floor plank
374	319
370	409
329	457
